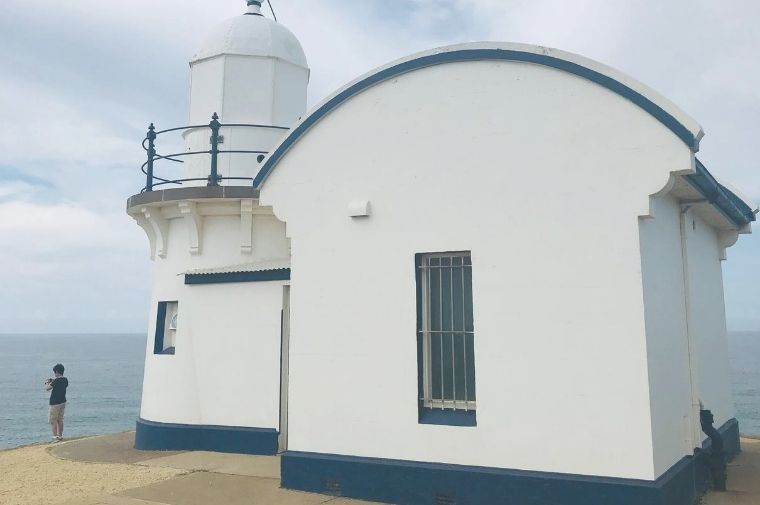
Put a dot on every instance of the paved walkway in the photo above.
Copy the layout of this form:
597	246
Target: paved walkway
743	478
212	478
236	479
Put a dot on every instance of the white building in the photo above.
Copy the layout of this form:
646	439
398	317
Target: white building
486	273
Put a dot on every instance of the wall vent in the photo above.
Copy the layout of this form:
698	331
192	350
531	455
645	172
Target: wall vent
445	499
332	487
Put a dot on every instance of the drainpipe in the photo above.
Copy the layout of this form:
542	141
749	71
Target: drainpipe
696	438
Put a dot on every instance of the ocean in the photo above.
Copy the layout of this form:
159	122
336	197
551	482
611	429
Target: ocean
744	359
105	374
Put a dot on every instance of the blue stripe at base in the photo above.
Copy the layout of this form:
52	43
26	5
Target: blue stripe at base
155	436
419	483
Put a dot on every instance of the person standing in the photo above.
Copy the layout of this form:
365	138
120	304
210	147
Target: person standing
57	388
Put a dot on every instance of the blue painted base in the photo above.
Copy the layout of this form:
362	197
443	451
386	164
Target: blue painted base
154	436
417	483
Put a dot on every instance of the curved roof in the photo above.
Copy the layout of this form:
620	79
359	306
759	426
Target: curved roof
252	35
680	123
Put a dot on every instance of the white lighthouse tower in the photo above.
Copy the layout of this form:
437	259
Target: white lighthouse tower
252	71
214	361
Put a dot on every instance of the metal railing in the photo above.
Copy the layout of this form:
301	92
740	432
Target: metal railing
213	179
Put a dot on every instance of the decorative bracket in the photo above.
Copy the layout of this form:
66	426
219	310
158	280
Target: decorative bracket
148	229
189	210
246	226
160	226
726	238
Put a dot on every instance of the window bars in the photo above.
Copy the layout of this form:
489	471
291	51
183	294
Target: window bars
447	331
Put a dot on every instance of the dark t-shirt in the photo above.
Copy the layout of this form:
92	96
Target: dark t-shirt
58	393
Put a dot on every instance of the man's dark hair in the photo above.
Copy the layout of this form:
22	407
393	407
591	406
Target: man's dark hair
58	369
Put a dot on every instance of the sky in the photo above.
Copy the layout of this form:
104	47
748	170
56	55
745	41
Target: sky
81	79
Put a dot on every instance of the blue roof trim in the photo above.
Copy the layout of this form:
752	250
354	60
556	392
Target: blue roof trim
278	274
721	197
679	129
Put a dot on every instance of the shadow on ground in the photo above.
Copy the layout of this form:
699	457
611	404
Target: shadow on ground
239	479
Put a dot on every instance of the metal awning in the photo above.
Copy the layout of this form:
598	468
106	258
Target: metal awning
259	266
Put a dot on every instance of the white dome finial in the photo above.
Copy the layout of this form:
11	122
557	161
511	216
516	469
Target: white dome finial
252	34
254	7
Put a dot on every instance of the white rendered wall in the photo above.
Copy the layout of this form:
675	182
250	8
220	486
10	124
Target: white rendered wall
226	369
708	318
667	341
675	421
542	175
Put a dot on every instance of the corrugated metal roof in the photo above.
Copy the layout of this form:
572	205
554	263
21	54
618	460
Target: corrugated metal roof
259	266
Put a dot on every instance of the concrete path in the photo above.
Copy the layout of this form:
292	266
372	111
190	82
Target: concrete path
236	479
743	478
234	464
116	448
212	478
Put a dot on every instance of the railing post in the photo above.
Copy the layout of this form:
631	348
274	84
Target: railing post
213	178
151	154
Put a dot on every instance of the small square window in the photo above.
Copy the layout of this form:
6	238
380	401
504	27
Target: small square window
166	328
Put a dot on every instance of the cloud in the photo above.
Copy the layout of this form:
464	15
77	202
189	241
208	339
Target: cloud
82	79
10	174
16	190
47	128
49	226
69	264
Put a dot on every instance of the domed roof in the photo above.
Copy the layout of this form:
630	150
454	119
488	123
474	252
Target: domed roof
252	34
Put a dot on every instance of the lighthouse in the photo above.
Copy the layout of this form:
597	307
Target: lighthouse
215	364
530	312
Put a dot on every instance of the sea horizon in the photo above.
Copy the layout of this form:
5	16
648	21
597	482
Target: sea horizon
105	371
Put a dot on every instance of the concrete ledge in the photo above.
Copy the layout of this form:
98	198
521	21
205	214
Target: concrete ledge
191	193
731	438
155	436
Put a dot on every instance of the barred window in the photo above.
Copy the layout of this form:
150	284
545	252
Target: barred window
446	331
